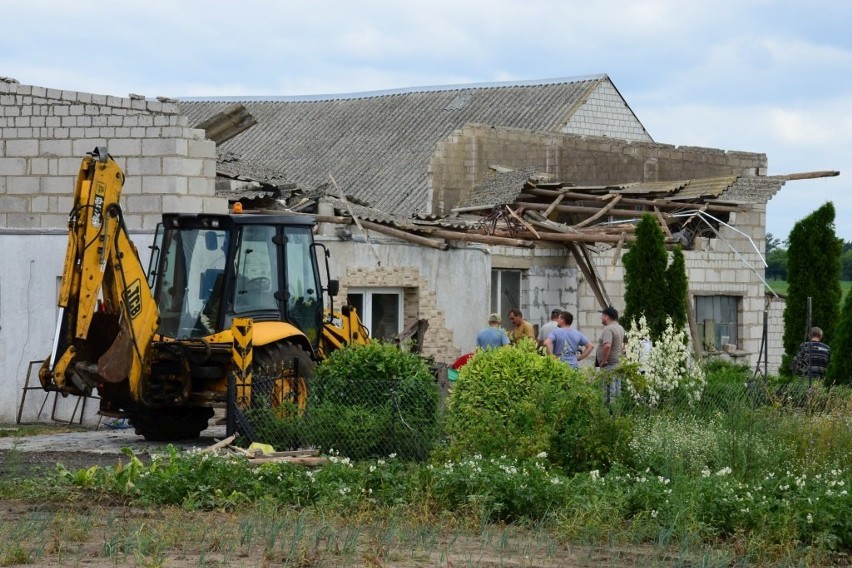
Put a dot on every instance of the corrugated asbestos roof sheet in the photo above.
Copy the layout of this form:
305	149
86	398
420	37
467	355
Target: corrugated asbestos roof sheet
705	187
501	188
663	187
378	147
684	189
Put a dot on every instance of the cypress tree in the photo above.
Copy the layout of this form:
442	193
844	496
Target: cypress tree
646	291
676	283
813	269
840	367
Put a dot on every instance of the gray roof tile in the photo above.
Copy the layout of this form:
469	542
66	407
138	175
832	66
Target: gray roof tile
378	146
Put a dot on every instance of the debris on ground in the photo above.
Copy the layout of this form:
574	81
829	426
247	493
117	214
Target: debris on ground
258	454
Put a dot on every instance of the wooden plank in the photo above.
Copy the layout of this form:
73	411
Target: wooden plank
589	275
661	203
529	227
477	238
553	205
603	211
355	218
219	445
811	175
662	221
405	235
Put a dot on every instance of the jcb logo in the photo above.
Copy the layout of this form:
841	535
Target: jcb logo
98	209
133	299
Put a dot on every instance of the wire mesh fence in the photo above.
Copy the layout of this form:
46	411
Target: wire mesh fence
367	418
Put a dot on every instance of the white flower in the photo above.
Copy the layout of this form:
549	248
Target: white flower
541	455
595	474
810	518
654	514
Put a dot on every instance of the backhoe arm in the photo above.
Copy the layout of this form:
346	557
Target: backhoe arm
107	313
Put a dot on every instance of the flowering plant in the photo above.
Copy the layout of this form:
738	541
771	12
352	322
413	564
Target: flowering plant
655	369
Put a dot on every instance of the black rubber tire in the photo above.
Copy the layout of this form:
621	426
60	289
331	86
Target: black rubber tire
272	360
171	424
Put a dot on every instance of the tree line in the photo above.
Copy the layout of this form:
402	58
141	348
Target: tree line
777	253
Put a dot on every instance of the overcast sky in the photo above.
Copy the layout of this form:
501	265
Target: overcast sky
754	75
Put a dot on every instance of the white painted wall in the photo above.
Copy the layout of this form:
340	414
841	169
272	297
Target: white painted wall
28	313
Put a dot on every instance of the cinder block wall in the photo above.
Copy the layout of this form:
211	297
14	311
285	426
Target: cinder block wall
464	159
46	132
606	111
727	265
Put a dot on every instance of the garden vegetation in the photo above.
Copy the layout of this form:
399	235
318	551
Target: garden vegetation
697	458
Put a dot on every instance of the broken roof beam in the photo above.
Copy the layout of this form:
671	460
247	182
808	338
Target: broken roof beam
810	175
661	203
629	213
404	235
477	238
603	211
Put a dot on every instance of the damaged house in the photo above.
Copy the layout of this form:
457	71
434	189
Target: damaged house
440	204
445	204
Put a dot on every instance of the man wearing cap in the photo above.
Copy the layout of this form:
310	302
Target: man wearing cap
493	335
610	347
548	328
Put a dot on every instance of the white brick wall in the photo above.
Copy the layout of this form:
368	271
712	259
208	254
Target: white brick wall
46	132
606	114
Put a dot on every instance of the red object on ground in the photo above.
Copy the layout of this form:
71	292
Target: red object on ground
461	361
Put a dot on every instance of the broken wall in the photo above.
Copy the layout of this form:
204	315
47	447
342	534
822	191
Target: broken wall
463	161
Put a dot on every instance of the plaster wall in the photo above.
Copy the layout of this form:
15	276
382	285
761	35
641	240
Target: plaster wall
28	315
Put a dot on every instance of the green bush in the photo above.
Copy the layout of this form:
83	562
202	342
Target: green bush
373	400
514	402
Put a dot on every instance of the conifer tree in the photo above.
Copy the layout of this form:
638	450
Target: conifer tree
678	290
840	367
813	270
646	292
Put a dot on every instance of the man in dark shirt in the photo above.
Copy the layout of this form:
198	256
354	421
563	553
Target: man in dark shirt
813	356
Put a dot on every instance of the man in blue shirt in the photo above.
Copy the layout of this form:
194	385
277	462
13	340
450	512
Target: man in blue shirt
492	336
564	342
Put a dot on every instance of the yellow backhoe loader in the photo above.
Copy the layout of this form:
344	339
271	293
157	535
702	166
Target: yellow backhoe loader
157	347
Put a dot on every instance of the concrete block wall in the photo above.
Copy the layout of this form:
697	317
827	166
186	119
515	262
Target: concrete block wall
606	113
776	334
463	160
420	302
46	132
714	269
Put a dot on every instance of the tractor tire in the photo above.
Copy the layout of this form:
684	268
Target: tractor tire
171	424
273	378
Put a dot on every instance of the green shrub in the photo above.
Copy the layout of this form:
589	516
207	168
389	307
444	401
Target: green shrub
373	400
514	402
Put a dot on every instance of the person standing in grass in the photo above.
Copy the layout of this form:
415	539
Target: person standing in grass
564	342
813	356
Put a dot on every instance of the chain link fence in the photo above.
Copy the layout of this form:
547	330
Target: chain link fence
367	418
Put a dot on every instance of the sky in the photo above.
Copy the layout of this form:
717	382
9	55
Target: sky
769	76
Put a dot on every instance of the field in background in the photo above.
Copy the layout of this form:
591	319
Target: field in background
781	286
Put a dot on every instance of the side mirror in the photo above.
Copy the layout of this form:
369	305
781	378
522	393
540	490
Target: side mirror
210	241
333	287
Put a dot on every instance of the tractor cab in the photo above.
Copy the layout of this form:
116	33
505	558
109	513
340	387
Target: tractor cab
208	269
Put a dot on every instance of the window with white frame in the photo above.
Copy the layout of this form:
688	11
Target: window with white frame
380	310
505	293
718	320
